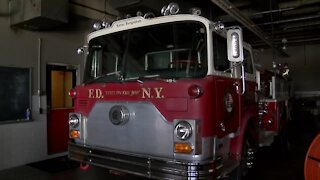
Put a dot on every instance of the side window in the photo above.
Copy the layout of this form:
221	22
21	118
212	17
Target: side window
109	62
220	52
247	62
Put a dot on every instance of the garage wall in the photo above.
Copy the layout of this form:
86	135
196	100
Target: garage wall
22	143
304	64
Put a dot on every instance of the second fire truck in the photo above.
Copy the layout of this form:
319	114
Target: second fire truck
173	97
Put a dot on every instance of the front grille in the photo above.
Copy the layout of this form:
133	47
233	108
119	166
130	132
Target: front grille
82	102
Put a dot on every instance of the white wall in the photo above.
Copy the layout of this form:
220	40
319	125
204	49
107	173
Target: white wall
22	143
304	64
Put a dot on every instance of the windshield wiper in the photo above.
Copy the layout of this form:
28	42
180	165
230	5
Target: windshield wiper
152	76
117	73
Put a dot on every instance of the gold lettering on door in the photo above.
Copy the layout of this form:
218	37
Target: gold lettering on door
95	93
152	93
146	93
158	92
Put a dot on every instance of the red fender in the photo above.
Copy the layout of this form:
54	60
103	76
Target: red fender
84	166
312	161
236	143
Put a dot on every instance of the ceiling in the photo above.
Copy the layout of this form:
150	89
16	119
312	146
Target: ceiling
291	22
266	23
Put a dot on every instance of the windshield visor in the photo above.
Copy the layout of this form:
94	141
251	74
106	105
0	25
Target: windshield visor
172	50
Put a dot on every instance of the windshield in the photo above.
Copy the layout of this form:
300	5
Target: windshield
171	51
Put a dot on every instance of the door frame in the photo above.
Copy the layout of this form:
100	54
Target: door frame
52	145
63	67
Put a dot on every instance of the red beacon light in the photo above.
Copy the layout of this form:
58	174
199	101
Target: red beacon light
72	93
195	91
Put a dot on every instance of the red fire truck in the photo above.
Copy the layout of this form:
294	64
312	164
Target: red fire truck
173	97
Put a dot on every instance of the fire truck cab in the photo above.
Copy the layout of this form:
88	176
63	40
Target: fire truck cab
170	97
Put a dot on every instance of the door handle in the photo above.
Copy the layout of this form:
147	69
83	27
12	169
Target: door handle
237	86
243	83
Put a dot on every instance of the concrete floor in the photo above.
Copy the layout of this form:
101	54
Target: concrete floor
270	163
32	173
287	165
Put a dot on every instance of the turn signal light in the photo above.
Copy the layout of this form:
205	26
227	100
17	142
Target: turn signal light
184	148
74	134
72	93
195	91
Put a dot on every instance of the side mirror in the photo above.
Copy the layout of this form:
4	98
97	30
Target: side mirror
235	44
82	50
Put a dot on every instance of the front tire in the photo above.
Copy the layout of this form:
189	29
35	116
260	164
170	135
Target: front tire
246	162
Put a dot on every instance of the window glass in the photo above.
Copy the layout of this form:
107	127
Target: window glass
247	62
220	52
171	50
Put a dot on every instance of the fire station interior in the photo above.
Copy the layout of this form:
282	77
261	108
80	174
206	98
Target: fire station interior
39	65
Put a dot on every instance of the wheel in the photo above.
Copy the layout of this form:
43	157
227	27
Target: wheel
246	162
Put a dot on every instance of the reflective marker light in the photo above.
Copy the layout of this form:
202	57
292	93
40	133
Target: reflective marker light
235	51
195	91
72	93
183	130
74	134
185	148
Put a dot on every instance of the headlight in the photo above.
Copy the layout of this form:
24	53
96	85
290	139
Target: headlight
74	121
183	130
119	115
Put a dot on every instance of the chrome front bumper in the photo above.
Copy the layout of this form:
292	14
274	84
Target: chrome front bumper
142	166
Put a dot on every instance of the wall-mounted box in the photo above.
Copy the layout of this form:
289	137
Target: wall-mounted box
38	14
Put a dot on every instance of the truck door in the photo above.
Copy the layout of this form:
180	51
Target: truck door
227	83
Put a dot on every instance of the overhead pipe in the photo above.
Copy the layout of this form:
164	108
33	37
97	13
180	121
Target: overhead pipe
296	31
290	41
290	20
272	11
298	3
227	18
39	75
301	11
236	14
300	27
290	36
303	40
